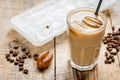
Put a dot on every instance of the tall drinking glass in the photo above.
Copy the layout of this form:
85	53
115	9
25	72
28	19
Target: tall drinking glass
85	37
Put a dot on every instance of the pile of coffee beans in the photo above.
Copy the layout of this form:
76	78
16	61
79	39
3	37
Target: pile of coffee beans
17	55
112	42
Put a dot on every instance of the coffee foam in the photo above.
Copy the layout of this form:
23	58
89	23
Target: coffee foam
79	16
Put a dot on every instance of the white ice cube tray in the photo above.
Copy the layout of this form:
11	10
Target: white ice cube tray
32	23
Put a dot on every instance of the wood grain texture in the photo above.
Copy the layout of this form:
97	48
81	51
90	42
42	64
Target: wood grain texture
8	9
60	68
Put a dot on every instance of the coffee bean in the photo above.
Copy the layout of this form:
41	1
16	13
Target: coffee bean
116	38
16	46
106	61
22	61
109	49
27	52
35	55
20	57
20	64
113	53
7	55
25	71
24	56
15	63
14	54
113	34
23	48
29	55
118	29
21	68
113	28
11	60
106	54
109	46
111	56
109	61
107	57
113	45
11	51
109	33
105	42
8	58
47	26
17	59
117	45
117	33
35	58
115	41
113	60
117	49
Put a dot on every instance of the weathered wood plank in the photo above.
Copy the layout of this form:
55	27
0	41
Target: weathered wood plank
63	69
106	70
8	9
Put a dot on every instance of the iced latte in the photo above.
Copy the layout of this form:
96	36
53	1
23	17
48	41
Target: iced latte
86	31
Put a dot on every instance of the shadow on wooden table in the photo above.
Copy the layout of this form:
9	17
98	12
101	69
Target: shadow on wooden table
85	75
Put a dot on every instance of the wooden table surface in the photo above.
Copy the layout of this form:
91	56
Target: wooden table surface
60	68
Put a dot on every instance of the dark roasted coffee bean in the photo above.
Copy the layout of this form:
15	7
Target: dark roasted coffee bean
115	41
109	61
117	45
20	68
105	37
15	63
16	46
20	57
14	54
117	49
113	34
119	29
113	60
105	42
35	58
111	56
29	55
108	58
117	33
11	51
106	61
109	33
23	48
24	56
22	61
20	64
27	52
113	45
113	53
106	54
17	59
8	58
109	46
7	55
109	49
25	71
113	28
116	38
47	26
35	55
11	60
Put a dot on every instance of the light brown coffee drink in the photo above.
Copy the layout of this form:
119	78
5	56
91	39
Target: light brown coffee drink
86	31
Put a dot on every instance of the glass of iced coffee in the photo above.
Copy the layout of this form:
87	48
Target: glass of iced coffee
86	31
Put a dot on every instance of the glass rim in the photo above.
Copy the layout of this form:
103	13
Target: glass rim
86	8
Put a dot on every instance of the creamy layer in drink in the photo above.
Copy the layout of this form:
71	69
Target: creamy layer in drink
86	31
